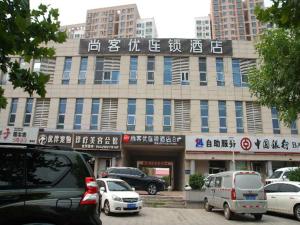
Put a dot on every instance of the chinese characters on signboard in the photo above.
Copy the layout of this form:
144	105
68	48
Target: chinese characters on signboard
243	144
138	139
155	46
82	141
24	135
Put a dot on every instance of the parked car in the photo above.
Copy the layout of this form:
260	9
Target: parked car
284	197
280	175
46	185
118	197
137	179
236	192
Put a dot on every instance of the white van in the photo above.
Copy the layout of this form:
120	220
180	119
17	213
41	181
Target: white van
280	175
236	192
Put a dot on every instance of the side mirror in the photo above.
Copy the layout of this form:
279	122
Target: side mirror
133	189
102	190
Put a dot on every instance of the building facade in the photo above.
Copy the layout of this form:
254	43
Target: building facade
181	104
74	30
203	27
235	19
146	28
112	22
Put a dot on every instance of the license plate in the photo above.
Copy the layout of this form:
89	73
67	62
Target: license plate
250	197
130	206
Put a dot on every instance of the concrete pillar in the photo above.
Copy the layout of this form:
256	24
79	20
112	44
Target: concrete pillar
96	167
193	166
269	168
113	161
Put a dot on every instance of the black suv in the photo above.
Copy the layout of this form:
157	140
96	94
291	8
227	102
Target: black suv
46	185
136	178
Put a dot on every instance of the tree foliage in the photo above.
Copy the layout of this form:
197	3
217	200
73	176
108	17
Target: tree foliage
277	80
294	175
25	33
196	181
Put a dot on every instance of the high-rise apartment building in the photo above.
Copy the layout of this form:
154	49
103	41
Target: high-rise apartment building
146	28
74	30
112	22
203	27
235	19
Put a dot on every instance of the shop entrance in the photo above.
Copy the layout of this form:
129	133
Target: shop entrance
166	162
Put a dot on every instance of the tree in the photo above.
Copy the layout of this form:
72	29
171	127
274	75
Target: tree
276	83
25	33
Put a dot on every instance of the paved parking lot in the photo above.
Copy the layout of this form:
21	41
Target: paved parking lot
167	216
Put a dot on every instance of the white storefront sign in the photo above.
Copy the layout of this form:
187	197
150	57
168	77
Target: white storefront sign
243	144
24	135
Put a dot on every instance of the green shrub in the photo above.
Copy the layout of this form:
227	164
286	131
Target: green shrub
196	181
294	175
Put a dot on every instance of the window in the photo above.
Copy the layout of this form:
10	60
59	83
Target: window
220	72
202	72
82	70
182	115
109	114
67	70
28	112
275	121
12	112
294	128
149	115
254	121
12	164
41	112
240	71
95	114
288	188
272	188
78	114
107	70
61	113
150	69
239	117
167	70
185	78
222	116
36	65
218	182
131	110
204	116
46	169
133	70
167	112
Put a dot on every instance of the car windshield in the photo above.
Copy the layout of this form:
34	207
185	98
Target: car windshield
276	175
118	186
248	181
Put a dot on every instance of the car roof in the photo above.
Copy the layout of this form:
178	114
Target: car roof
110	179
226	173
286	182
121	167
286	168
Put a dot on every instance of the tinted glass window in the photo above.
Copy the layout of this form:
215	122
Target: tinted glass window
135	172
118	186
218	182
272	188
288	188
211	182
46	169
276	174
248	181
11	170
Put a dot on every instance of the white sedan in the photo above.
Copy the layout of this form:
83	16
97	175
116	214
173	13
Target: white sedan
118	197
284	197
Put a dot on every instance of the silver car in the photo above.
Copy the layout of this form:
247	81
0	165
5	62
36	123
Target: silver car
236	192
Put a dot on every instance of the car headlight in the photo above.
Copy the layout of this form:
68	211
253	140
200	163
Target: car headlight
116	198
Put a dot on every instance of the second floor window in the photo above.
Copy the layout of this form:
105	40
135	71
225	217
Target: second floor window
78	114
294	128
167	114
94	123
28	112
150	69
107	70
222	116
82	70
133	70
61	113
131	110
12	112
67	70
220	72
202	72
149	115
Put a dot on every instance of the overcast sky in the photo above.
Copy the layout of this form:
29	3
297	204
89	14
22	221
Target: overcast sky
173	18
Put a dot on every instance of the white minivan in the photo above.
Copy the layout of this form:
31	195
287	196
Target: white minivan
280	175
236	192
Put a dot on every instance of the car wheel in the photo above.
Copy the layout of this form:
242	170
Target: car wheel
297	212
258	216
152	189
207	207
106	208
227	212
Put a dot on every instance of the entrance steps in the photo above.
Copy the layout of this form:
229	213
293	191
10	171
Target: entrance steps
163	200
